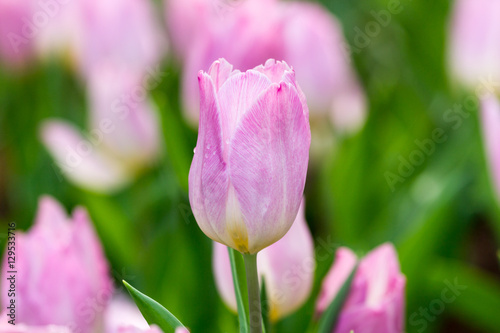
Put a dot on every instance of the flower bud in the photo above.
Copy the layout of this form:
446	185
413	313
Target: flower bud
375	302
249	168
62	275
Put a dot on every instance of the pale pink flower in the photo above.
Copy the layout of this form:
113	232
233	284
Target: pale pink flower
249	168
287	267
375	302
62	274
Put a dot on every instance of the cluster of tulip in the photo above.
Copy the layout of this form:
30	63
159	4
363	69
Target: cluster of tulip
248	173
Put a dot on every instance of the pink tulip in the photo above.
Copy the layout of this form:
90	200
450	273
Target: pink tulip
62	274
474	50
376	299
490	119
122	313
133	329
124	33
16	36
123	136
181	330
246	33
315	46
5	327
287	267
249	168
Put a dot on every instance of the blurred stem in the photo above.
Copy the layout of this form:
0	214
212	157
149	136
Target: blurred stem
255	314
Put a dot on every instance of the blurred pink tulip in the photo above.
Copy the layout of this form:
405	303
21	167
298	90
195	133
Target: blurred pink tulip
287	267
5	327
124	134
474	50
16	31
62	274
490	119
122	33
376	299
249	168
316	48
246	33
181	330
122	314
133	329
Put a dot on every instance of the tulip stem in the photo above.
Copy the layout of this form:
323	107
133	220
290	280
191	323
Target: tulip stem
255	315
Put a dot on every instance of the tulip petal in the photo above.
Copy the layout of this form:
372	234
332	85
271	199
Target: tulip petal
288	268
273	135
223	275
490	119
220	71
325	75
236	96
79	160
474	48
345	261
208	176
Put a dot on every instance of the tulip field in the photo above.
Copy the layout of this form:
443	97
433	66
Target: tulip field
249	166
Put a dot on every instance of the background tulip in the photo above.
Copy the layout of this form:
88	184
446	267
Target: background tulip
475	41
490	120
5	327
376	299
132	329
123	315
62	275
287	267
16	37
246	33
123	136
248	171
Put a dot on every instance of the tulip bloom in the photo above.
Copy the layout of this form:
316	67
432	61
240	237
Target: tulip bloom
249	168
5	327
246	33
376	299
16	38
287	267
124	33
62	274
490	119
123	139
474	50
122	315
133	329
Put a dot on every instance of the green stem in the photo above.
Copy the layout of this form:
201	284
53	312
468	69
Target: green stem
255	314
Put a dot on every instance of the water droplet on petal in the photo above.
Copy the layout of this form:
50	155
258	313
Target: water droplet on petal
194	150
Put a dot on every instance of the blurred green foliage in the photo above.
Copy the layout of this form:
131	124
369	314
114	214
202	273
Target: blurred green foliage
442	216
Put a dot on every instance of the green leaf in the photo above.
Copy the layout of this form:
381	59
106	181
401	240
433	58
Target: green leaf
329	317
240	289
153	312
